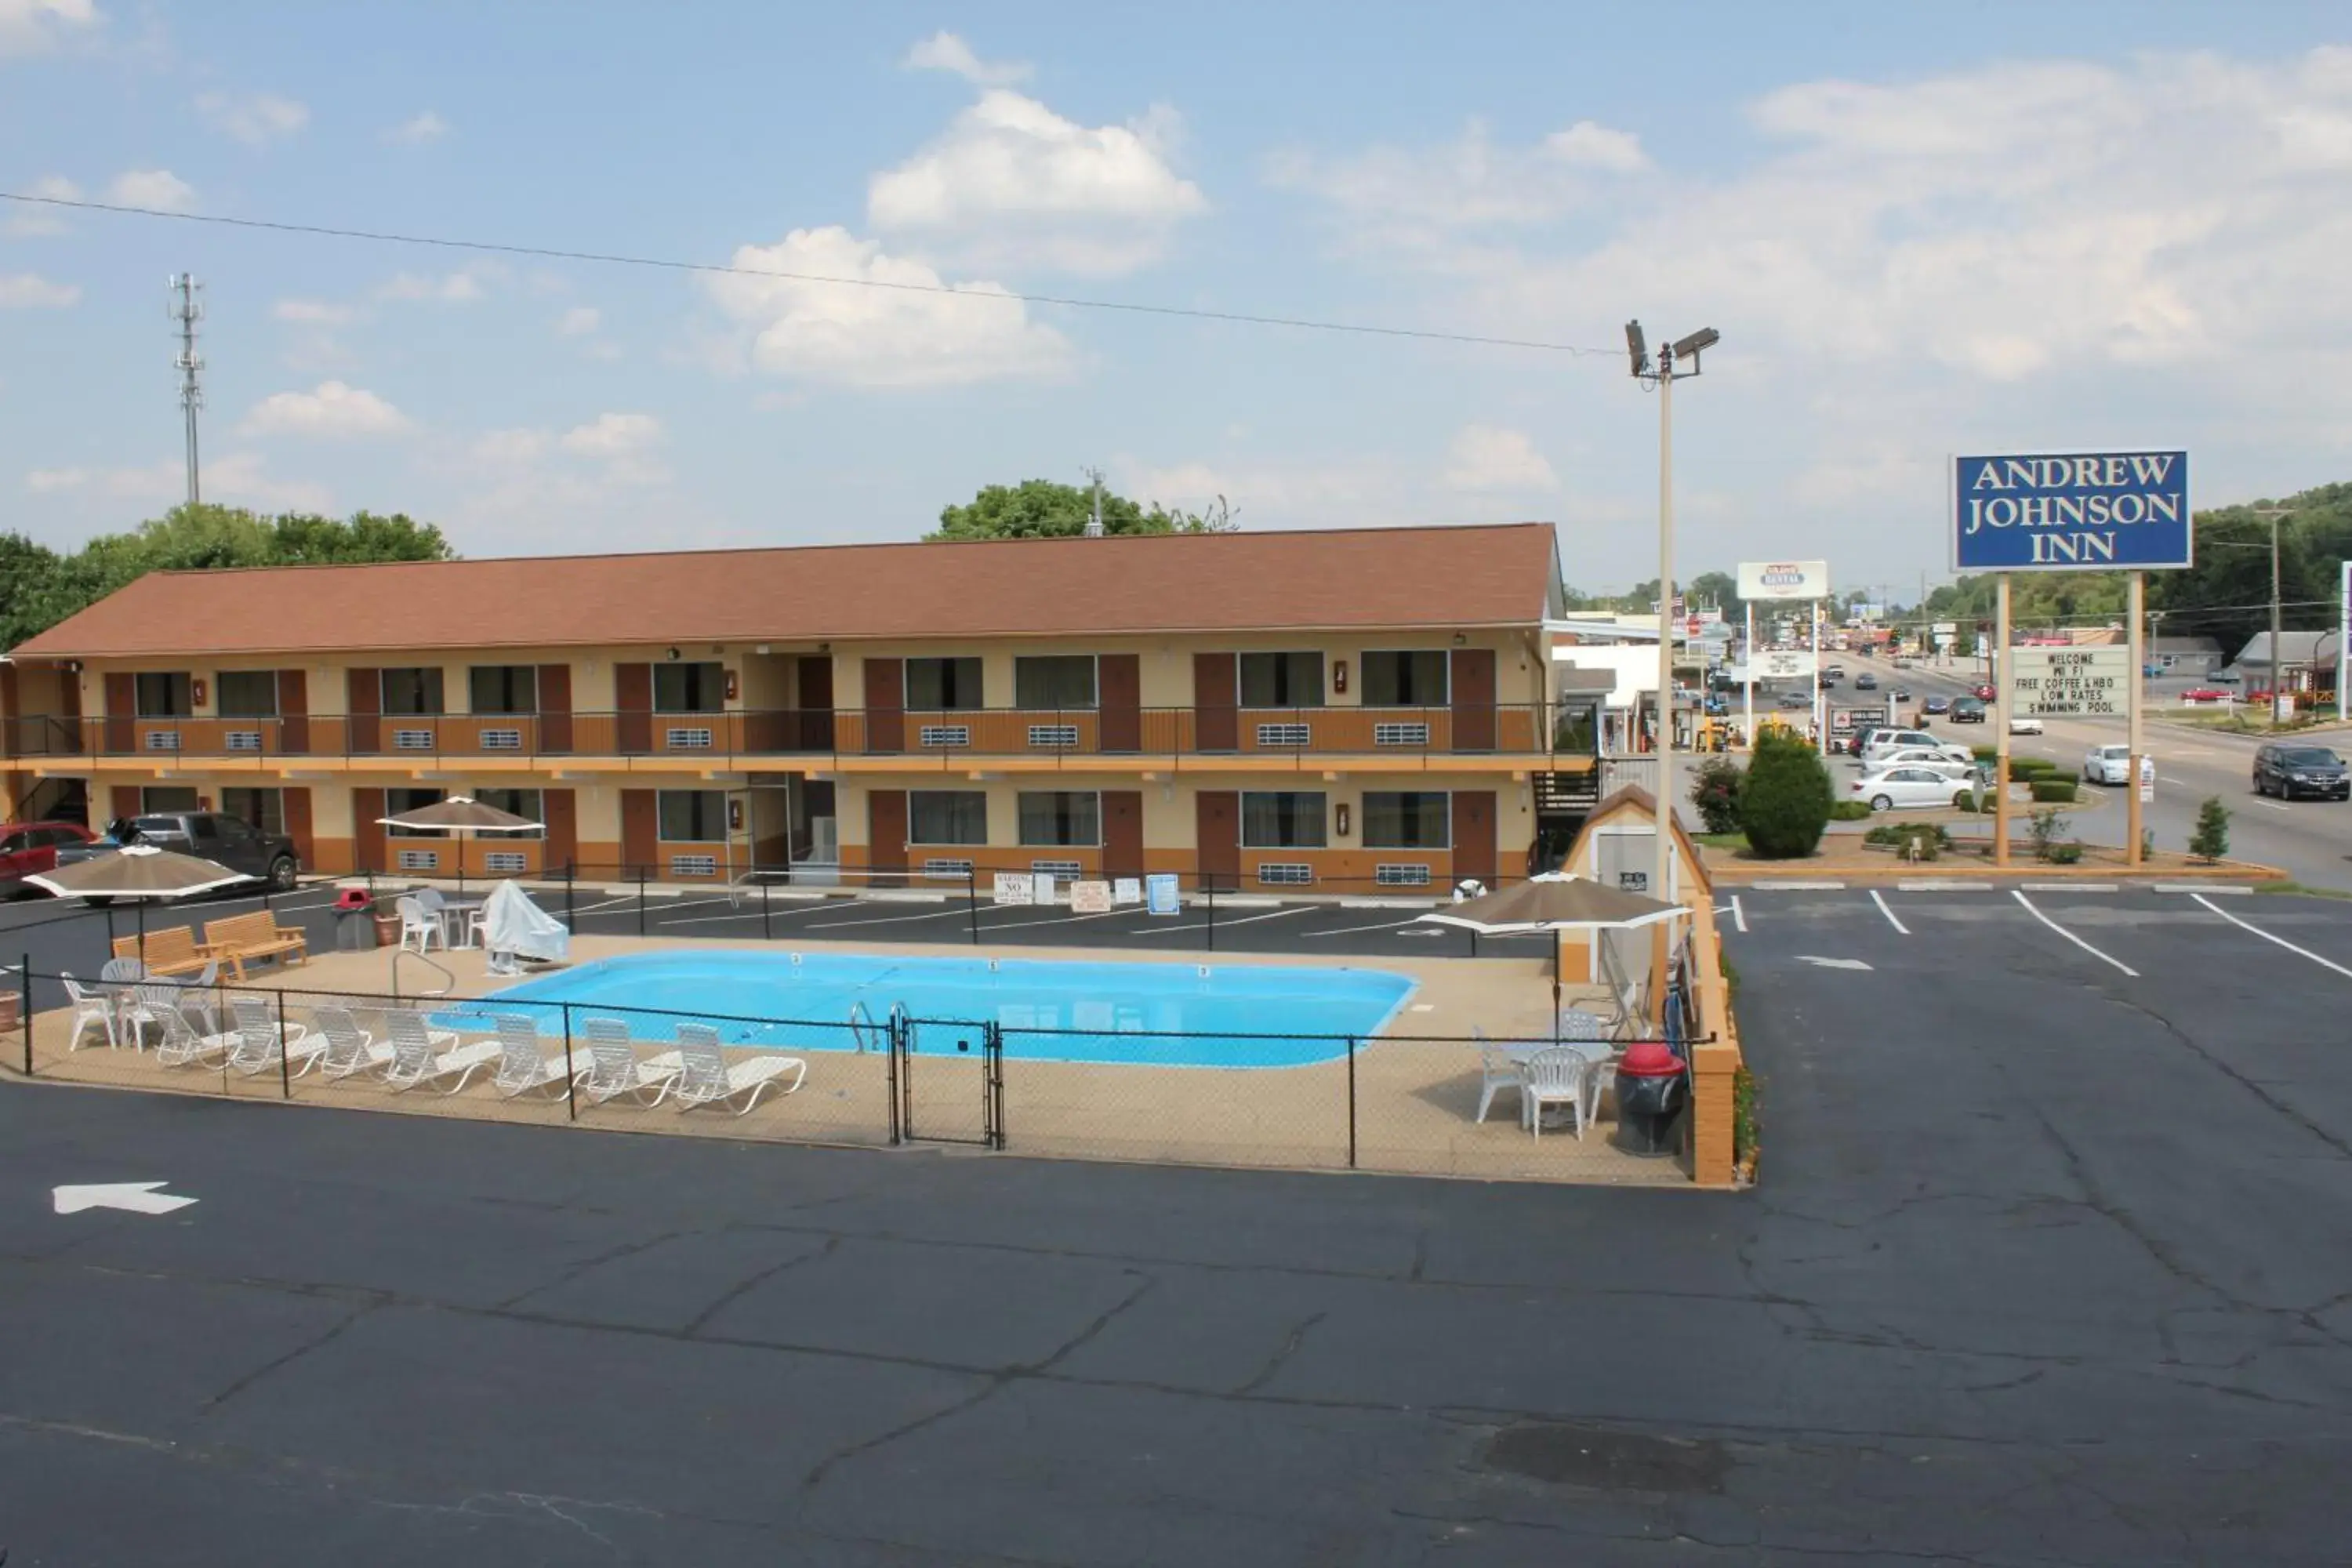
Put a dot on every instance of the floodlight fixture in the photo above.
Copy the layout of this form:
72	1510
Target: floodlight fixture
1637	348
1705	337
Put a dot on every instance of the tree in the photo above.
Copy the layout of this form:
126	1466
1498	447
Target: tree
1717	588
1784	805
39	589
1714	790
1043	509
2212	839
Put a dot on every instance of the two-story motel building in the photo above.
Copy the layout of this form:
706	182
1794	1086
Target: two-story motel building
1349	709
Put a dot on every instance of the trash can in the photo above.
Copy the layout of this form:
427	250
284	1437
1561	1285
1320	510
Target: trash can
356	923
1653	1085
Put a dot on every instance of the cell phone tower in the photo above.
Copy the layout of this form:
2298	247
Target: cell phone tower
187	308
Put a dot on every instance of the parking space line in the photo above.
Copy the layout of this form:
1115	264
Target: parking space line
1797	887
2070	936
1350	931
1270	915
1943	885
1739	915
2072	888
959	912
711	920
1880	900
2196	887
2323	962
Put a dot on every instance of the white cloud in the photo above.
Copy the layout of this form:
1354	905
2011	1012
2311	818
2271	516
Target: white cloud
27	222
332	409
254	118
31	292
234	478
613	436
417	130
450	288
1488	457
1411	196
1010	180
504	448
157	188
580	322
37	27
42	481
313	312
898	335
944	51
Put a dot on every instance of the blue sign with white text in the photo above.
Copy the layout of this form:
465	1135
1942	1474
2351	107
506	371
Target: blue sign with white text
2071	512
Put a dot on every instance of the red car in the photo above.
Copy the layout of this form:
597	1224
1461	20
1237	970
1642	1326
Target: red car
27	847
2207	694
1981	691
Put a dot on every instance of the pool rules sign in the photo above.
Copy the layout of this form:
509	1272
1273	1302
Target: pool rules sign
2070	682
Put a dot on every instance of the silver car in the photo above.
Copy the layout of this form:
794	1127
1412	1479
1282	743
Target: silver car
1909	789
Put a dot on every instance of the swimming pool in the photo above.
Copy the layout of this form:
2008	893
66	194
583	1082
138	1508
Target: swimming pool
1165	1015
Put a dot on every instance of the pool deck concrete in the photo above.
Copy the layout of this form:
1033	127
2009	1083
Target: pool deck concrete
1413	1099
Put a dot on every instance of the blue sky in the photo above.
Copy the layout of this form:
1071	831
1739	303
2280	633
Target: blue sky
1921	228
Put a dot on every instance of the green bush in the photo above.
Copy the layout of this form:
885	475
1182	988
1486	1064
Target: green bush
1931	838
2212	839
2065	854
1714	791
1784	802
1984	753
1849	810
2059	791
2042	830
2025	769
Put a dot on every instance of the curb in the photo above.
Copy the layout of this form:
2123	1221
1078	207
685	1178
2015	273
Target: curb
1787	876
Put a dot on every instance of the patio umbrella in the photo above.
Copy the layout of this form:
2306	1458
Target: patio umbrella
458	817
139	872
1555	901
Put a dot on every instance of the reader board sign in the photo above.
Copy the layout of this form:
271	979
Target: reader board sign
1784	579
1127	890
2071	512
1774	665
1091	898
2070	682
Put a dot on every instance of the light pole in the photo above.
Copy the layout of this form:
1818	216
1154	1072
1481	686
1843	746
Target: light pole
2277	665
1663	375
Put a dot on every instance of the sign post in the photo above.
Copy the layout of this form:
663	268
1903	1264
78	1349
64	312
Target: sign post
2002	685
2071	512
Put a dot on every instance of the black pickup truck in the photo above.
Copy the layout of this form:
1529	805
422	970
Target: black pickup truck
227	841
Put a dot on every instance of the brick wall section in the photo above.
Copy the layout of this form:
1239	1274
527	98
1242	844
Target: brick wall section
1713	1065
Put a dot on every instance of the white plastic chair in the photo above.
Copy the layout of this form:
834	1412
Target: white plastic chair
260	1042
350	1049
423	924
614	1069
1556	1077
91	1006
707	1078
421	1055
183	1046
523	1064
1497	1073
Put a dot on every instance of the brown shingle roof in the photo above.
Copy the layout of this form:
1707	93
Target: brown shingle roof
1391	577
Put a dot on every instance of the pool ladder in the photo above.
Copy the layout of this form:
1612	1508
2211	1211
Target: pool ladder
862	1026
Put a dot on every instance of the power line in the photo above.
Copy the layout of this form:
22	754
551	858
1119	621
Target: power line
666	264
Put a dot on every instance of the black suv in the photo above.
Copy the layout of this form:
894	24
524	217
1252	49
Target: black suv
225	840
2286	769
1967	711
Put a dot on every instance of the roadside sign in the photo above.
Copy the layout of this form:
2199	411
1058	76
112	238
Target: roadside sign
1945	628
2071	512
1784	579
2146	779
1159	893
1091	898
2070	682
1014	888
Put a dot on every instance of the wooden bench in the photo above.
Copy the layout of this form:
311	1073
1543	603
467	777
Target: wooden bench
172	951
240	938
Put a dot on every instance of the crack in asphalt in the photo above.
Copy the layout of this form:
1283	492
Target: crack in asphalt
1295	1337
735	1293
279	1364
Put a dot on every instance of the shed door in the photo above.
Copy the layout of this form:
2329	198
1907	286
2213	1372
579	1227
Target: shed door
1218	821
122	698
294	719
1473	700
363	693
1119	693
885	831
640	838
367	833
555	710
560	811
633	694
886	707
1216	722
1122	828
1474	835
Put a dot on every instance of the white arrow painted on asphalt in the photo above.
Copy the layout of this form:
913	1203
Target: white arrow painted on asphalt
136	1198
1832	962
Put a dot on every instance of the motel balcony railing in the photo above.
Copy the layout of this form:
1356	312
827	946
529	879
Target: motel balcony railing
821	737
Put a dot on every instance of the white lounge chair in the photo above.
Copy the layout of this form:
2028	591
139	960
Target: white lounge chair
421	1055
523	1064
613	1068
350	1049
420	922
260	1042
1497	1073
707	1078
1556	1077
91	1006
181	1046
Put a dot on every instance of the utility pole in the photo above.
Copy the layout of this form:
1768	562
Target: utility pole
1093	517
2278	670
187	308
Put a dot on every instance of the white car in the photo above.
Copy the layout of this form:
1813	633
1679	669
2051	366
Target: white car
2107	765
1909	789
1938	758
1885	743
2024	724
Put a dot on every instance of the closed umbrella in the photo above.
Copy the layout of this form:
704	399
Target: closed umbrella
141	873
458	817
1555	901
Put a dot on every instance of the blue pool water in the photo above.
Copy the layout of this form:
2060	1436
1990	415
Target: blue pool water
1050	1010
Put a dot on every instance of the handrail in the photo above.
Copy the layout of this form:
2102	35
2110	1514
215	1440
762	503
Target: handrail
857	1029
411	952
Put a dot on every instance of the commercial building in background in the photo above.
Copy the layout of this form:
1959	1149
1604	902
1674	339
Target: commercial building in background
1352	710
